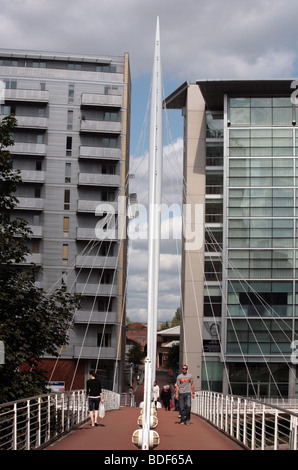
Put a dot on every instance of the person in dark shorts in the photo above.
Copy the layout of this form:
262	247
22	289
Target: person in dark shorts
94	393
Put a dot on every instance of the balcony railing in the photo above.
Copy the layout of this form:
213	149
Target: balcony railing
96	289
100	153
96	262
26	95
28	149
95	317
93	352
92	99
30	203
32	122
105	127
32	176
90	179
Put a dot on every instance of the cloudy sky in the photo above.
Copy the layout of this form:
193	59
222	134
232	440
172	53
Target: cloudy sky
199	39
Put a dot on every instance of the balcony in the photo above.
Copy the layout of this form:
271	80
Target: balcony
93	352
32	122
35	258
96	262
36	231
92	233
30	203
105	127
94	206
33	176
22	148
100	153
35	96
90	179
96	289
95	317
92	99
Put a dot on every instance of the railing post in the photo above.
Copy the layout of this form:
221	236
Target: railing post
231	416
263	428
245	422
276	430
38	422
48	420
253	426
226	414
62	412
238	419
14	431
28	425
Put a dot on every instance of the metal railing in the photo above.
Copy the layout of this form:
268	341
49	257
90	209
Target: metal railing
34	422
256	425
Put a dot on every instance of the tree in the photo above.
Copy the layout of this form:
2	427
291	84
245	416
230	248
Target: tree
32	322
176	318
135	354
173	357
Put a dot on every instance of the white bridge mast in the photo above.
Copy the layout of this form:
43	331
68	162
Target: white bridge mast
155	179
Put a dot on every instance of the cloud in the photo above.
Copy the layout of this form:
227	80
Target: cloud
170	246
199	39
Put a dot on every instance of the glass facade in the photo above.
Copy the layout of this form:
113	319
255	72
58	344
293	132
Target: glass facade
261	239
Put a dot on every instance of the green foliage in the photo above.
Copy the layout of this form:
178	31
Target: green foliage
136	354
173	357
32	322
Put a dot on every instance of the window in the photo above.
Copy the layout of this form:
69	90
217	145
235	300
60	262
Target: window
105	304
66	199
35	247
261	111
69	119
104	340
65	254
67	172
65	227
71	93
110	116
6	110
68	146
10	84
37	192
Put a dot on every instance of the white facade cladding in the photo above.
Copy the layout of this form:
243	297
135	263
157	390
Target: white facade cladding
72	147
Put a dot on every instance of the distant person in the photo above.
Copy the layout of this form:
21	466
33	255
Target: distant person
155	392
94	393
166	396
184	392
131	395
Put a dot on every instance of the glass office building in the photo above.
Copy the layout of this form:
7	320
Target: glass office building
241	140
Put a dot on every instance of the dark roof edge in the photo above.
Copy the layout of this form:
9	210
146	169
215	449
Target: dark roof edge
176	100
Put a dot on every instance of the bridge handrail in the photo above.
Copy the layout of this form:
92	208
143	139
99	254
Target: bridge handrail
33	422
255	424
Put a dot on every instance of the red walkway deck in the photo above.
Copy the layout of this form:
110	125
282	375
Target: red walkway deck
116	429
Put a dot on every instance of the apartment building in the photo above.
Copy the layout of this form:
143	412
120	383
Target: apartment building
72	147
239	287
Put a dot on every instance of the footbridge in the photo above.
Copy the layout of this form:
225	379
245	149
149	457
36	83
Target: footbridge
60	421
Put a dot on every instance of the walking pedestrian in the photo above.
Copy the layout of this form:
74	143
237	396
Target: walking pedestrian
166	396
94	394
155	392
184	392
